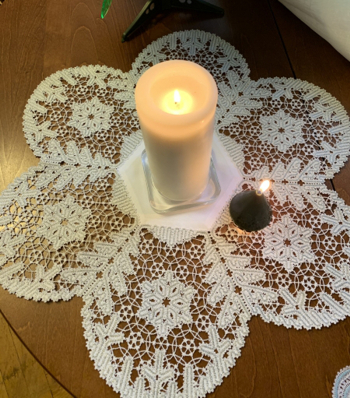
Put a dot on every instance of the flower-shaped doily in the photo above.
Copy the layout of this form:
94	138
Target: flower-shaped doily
166	310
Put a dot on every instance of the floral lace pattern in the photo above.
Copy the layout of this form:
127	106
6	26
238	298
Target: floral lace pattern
288	243
166	303
90	117
63	222
166	310
281	130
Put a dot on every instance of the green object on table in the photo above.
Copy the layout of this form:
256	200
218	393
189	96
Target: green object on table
105	7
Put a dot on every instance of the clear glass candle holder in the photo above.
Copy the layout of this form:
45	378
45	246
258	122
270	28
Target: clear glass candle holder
161	204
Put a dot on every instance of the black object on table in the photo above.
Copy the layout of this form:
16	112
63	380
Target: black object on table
154	7
250	211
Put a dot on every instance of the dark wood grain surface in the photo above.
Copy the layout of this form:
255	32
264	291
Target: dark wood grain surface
21	375
39	37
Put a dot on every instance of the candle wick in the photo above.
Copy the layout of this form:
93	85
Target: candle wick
259	192
177	97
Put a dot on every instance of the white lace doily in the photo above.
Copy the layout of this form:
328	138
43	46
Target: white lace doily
166	309
341	387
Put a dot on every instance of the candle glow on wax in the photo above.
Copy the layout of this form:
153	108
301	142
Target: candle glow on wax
177	102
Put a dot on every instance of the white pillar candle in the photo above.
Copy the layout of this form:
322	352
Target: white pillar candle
176	103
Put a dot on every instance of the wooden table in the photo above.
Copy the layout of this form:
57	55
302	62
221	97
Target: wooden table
39	37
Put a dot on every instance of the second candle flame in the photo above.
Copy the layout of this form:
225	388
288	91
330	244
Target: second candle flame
263	187
177	97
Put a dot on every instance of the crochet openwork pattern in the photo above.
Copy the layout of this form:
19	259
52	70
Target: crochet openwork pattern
166	310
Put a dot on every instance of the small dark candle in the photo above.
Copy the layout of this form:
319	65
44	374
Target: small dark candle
250	210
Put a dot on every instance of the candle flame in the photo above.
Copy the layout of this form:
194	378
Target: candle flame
264	186
177	97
